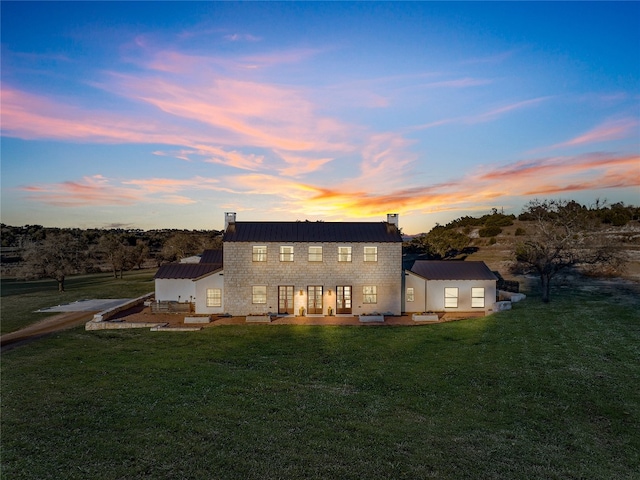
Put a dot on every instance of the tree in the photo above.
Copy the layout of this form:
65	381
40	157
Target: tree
565	236
120	255
56	257
443	242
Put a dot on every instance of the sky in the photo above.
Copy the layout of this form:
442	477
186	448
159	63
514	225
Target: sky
168	114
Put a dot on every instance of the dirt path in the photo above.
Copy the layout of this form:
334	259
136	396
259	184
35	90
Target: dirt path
44	327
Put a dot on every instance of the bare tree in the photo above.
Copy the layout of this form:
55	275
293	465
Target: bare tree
56	257
565	236
120	255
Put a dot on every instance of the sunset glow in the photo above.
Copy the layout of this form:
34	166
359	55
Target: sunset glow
165	115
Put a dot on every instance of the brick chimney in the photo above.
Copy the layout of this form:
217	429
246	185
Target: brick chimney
229	218
392	219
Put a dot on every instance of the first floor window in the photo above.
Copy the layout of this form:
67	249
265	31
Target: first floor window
259	294
477	297
344	254
214	297
370	254
286	254
410	297
369	294
315	254
259	253
451	297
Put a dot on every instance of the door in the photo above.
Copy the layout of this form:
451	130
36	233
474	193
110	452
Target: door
285	300
343	299
314	296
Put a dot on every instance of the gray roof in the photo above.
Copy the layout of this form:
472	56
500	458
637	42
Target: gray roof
452	270
211	256
312	232
187	270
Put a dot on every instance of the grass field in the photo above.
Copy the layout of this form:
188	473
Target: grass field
539	392
20	299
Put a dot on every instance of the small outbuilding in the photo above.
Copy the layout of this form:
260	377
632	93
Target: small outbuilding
449	286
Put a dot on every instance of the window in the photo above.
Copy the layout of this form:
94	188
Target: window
344	254
369	294
450	297
259	253
286	254
315	254
477	297
410	296
214	297
259	294
370	254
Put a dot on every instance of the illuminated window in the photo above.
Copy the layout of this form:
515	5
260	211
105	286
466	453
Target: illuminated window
450	297
259	293
286	254
259	253
214	297
477	297
369	294
344	254
370	254
410	297
315	254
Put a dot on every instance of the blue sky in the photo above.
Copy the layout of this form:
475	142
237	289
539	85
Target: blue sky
167	114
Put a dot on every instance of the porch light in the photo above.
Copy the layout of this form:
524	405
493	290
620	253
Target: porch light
301	293
329	292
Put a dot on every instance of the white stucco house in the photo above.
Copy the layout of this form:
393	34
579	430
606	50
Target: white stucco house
449	286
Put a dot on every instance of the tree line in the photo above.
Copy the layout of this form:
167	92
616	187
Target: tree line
34	251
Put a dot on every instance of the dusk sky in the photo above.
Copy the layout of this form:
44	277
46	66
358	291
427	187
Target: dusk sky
166	115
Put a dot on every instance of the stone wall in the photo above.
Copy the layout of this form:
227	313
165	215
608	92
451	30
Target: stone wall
241	273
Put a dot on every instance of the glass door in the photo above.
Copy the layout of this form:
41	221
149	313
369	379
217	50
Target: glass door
285	300
314	299
343	299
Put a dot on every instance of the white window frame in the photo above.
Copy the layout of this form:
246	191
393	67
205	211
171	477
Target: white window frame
259	253
477	297
214	297
410	294
315	253
369	294
259	294
286	253
344	254
451	297
371	254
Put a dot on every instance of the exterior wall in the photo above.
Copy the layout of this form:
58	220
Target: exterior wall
241	273
215	280
429	294
174	290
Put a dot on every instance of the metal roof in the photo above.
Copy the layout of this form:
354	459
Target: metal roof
211	256
312	232
187	270
452	270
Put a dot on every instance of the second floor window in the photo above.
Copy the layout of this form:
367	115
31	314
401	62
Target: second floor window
259	253
286	254
344	254
370	254
315	254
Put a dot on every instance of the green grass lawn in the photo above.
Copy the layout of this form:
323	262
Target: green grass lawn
539	392
20	299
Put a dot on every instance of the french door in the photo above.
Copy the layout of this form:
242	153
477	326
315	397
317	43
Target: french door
343	299
285	300
314	299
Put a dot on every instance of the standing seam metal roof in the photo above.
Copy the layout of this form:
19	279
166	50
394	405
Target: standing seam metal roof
312	232
452	270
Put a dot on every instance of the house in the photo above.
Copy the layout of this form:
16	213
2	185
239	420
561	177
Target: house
449	286
200	284
321	268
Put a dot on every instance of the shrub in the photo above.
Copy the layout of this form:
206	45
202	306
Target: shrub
520	231
490	231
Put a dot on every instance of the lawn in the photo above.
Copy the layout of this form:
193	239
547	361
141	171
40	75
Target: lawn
20	299
539	392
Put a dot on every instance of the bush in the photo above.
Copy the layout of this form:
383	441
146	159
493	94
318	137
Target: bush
520	231
490	231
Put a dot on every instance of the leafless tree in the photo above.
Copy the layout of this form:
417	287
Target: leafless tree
564	235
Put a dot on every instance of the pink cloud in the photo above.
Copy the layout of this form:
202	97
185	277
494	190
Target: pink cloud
609	130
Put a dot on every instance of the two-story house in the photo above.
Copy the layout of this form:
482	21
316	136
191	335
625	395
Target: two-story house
319	268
